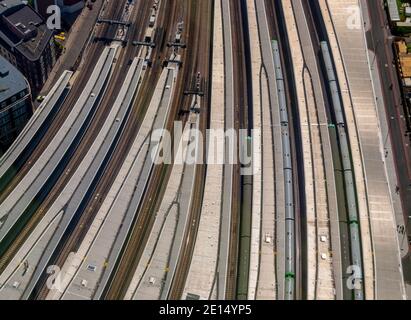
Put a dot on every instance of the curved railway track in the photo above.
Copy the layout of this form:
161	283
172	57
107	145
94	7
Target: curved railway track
74	238
201	61
347	198
196	59
91	57
132	251
295	284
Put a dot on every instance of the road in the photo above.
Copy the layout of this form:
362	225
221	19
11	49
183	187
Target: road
379	240
380	41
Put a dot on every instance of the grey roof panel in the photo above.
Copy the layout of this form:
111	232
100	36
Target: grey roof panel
11	80
32	47
6	5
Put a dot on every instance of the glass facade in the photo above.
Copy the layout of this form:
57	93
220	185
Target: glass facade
14	115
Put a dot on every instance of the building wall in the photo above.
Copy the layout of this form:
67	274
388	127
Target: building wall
42	5
37	71
67	6
8	55
15	112
71	6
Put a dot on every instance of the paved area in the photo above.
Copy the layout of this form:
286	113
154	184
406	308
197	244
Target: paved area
323	282
367	247
76	42
185	201
315	137
201	278
399	204
390	165
158	259
227	205
389	159
256	63
384	248
15	278
272	214
267	285
388	147
131	208
99	245
397	143
151	283
319	274
380	41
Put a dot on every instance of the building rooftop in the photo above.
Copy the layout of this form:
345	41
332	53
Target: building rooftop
6	5
23	28
393	9
11	80
405	61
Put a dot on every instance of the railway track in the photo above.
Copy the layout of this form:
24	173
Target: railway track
201	60
123	273
327	230
347	202
196	60
91	134
189	72
92	56
74	239
240	122
295	284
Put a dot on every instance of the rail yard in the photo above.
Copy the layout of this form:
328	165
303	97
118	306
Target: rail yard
209	150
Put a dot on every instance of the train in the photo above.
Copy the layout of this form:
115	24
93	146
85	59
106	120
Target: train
245	232
246	205
346	172
290	237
